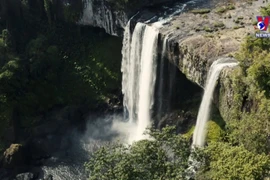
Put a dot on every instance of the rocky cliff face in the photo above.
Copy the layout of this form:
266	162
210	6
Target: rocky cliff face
112	15
195	40
100	13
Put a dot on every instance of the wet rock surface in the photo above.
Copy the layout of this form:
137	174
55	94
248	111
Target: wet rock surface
49	177
25	176
196	40
181	119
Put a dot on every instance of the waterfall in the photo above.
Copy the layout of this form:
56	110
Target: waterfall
131	69
139	75
204	111
161	77
98	15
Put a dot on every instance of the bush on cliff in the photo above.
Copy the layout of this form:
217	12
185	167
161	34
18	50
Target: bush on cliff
165	156
223	161
251	99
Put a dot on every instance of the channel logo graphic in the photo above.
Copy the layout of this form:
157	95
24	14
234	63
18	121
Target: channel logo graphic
262	25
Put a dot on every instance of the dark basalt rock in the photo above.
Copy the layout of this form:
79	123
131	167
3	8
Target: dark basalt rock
25	176
4	174
113	15
182	120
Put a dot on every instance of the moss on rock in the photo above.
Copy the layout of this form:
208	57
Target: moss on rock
14	156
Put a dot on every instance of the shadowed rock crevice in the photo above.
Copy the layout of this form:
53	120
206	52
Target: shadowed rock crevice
177	99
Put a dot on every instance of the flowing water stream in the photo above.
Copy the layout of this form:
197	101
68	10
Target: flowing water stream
199	135
205	107
139	75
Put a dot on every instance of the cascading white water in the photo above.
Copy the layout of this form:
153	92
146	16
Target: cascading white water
147	79
131	53
139	75
204	111
161	75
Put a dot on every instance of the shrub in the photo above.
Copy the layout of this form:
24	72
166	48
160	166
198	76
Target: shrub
165	156
233	162
201	11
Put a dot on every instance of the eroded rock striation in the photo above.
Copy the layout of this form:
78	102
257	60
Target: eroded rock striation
113	15
195	39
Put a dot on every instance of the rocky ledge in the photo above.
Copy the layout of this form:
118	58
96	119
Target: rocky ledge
196	37
113	15
201	36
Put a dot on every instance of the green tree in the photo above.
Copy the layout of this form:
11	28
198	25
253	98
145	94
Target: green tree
164	156
223	161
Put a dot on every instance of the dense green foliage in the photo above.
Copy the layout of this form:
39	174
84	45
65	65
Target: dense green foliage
165	156
251	83
47	63
223	161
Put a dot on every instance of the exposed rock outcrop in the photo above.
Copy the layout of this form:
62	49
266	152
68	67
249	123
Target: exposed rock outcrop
225	94
196	40
100	13
14	156
113	15
25	176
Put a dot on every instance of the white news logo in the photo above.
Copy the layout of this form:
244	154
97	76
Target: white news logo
263	35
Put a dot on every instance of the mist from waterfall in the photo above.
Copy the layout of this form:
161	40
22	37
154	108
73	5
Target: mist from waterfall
139	76
205	107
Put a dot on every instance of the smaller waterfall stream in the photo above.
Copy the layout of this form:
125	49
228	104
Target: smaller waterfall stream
204	111
161	76
199	134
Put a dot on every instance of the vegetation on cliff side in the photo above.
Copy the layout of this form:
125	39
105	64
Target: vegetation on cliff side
48	63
